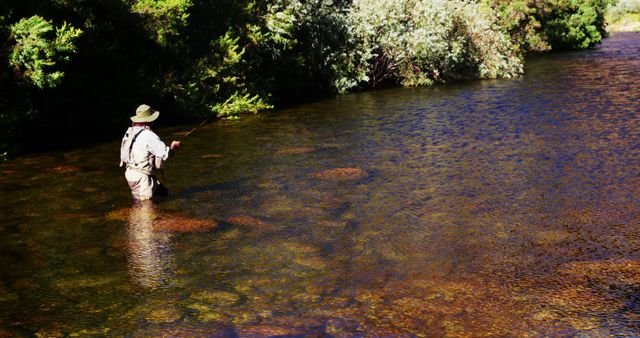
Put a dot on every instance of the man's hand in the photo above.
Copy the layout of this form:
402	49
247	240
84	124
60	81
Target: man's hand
174	145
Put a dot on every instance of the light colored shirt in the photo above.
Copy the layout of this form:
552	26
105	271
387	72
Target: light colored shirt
146	148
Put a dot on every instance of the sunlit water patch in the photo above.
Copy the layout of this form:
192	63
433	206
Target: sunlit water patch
487	208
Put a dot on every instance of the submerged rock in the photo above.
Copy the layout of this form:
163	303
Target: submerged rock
341	174
312	262
268	331
177	223
247	221
121	214
167	222
551	237
163	315
214	297
334	224
186	330
296	151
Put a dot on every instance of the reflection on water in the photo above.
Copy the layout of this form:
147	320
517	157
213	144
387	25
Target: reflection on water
148	251
488	208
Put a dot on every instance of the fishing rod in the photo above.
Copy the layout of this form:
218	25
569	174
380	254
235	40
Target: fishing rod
161	170
196	127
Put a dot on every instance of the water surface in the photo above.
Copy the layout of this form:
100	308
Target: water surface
485	208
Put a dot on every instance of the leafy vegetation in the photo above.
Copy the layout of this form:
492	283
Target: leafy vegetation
72	65
421	42
624	15
37	51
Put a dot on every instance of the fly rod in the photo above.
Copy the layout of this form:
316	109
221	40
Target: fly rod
196	127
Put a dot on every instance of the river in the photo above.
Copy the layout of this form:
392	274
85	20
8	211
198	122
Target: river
482	208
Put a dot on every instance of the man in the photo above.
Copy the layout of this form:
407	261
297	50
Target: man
144	154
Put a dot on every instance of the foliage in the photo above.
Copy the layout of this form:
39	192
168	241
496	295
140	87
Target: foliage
240	103
542	25
317	53
37	52
575	24
420	42
165	19
617	10
624	15
521	20
228	57
217	78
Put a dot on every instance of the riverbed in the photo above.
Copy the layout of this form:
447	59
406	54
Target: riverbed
484	208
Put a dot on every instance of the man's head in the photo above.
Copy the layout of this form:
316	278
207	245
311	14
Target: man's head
144	114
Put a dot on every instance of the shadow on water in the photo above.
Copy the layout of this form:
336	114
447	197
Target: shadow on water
485	208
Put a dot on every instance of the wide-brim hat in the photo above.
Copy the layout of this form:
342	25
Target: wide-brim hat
144	113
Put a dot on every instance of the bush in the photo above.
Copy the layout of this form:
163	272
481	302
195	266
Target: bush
543	25
575	24
228	57
165	20
37	51
620	8
420	42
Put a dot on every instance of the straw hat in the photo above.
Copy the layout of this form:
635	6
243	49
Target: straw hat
144	113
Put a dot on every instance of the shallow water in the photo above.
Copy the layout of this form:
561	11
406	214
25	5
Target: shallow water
485	208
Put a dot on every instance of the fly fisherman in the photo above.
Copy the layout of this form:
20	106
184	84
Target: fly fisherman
144	154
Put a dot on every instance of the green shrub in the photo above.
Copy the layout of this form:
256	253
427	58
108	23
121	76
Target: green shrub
521	19
542	25
238	104
166	20
420	42
575	24
620	8
38	50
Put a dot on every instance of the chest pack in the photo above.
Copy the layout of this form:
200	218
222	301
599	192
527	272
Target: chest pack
126	146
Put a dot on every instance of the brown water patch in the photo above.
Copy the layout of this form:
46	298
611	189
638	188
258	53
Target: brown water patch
296	151
313	262
341	174
259	331
581	299
121	214
218	298
448	308
63	169
74	216
551	237
178	223
9	334
69	283
248	221
614	272
296	321
334	224
173	222
212	156
328	202
163	315
186	330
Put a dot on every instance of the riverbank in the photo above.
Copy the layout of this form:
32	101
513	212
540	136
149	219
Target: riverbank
627	23
86	66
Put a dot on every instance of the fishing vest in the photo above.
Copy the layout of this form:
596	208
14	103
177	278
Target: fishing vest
146	166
